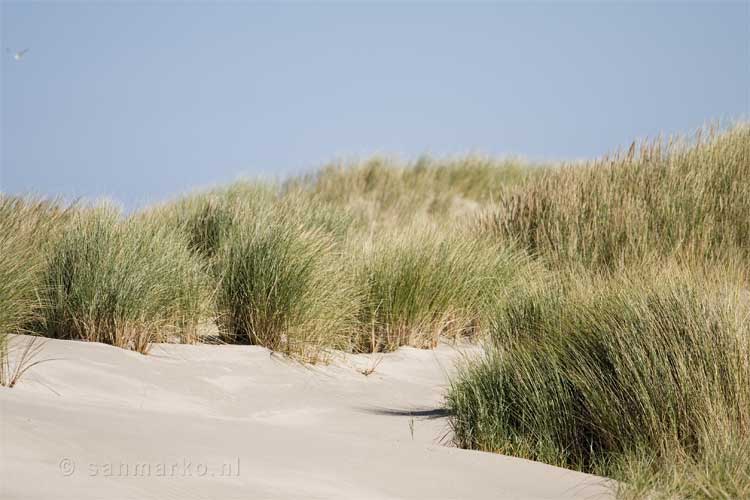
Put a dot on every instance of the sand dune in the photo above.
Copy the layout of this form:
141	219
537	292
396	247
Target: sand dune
221	422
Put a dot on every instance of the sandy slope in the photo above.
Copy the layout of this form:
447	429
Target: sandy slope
220	422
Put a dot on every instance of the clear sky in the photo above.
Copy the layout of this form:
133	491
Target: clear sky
140	101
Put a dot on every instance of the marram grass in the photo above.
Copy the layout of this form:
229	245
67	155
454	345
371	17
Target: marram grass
281	286
662	199
382	193
420	286
599	374
206	218
24	229
612	294
22	224
125	282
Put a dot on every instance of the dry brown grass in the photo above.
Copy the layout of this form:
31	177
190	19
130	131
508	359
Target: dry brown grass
687	200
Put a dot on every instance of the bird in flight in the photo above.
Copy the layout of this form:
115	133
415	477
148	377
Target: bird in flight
17	55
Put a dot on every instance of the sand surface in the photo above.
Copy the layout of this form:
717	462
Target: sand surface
236	422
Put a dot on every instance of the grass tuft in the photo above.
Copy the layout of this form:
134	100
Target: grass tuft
280	286
420	286
587	374
25	227
658	199
125	282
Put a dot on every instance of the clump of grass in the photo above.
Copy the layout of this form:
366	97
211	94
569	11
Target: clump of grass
125	282
595	375
420	285
25	226
383	192
270	252
282	287
657	199
720	471
393	182
312	213
207	217
18	266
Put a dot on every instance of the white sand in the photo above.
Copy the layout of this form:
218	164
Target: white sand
221	422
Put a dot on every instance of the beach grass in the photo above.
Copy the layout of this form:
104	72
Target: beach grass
655	200
281	285
421	285
24	230
612	296
596	374
127	282
629	356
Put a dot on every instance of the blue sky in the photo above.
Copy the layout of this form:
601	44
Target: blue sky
140	101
